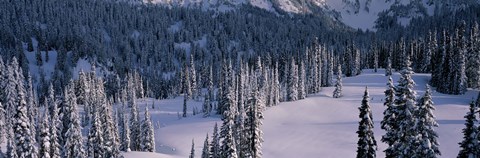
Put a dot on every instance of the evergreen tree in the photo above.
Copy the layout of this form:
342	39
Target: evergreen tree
239	130
13	85
55	124
134	127
473	57
375	58
32	108
469	146
357	64
210	88
23	136
193	77
192	151
207	106
3	112
388	70
205	151
184	114
82	87
431	48
405	104
228	148
302	93
227	97
459	85
95	142
215	145
186	82
367	145
11	148
293	82
44	134
337	93
106	122
254	123
276	86
428	146
3	121
73	146
389	123
147	134
125	133
330	71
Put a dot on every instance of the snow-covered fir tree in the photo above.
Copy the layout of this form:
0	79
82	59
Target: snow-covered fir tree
14	84
3	121
375	58
459	85
115	148
215	145
439	62
389	123
330	70
147	136
184	109
473	58
3	112
24	138
431	48
82	90
95	142
206	148
337	93
192	151
55	124
302	93
72	137
32	108
429	146
240	118
367	145
44	135
227	96
276	86
11	148
124	129
186	82
292	82
469	145
253	124
388	69
106	122
228	148
193	79
207	106
134	126
406	135
210	89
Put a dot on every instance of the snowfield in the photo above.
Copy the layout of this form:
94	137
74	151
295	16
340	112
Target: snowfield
317	126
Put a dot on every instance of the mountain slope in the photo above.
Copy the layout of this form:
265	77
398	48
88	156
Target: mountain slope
358	14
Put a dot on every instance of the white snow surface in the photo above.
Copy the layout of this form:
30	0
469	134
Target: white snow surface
318	125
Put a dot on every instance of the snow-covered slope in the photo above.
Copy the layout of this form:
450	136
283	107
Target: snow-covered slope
318	125
363	14
290	6
359	14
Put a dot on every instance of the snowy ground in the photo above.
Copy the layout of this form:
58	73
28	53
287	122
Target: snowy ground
318	125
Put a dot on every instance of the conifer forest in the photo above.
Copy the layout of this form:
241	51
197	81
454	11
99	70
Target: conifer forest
239	78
